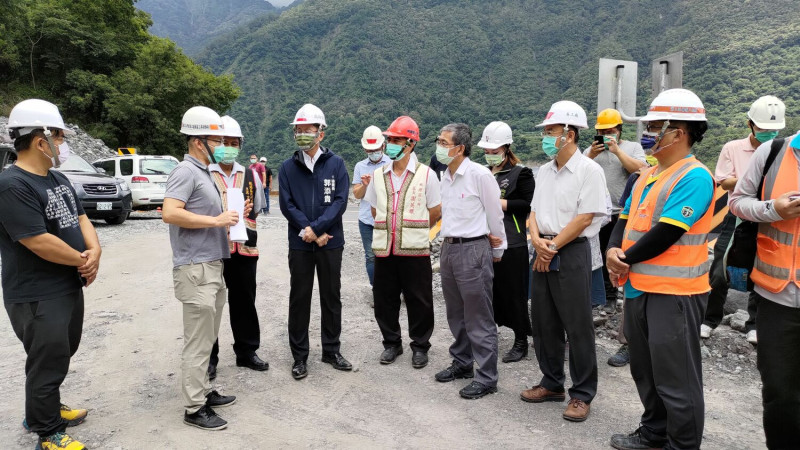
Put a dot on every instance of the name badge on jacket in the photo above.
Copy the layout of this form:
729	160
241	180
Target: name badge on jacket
328	190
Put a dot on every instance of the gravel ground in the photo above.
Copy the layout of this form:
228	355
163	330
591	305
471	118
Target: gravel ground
126	369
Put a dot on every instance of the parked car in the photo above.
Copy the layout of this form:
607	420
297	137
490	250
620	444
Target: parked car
145	174
7	157
102	196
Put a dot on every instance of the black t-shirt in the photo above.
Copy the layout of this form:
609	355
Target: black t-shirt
267	175
31	205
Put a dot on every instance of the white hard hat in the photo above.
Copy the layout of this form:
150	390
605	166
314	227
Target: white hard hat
676	104
202	121
768	113
263	159
565	112
372	139
495	135
232	128
35	114
309	114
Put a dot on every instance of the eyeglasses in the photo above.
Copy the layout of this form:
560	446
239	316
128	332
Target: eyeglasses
443	143
552	133
214	142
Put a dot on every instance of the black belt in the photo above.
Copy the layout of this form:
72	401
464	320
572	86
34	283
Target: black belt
462	240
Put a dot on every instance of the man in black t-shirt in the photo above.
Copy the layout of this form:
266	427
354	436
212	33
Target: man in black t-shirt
49	251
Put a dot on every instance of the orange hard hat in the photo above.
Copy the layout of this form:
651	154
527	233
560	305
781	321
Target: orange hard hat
403	126
608	118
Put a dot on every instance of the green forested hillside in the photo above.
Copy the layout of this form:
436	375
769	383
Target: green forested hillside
193	23
367	61
97	61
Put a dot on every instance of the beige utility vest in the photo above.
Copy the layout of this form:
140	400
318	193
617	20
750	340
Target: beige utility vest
401	227
250	223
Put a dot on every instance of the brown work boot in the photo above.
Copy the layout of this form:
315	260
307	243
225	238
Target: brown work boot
539	394
577	410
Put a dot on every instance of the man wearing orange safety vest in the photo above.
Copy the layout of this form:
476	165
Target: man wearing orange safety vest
659	251
773	199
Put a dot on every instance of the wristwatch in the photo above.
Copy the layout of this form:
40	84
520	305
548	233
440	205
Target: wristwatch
553	247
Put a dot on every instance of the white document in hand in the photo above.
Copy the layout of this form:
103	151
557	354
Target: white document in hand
238	232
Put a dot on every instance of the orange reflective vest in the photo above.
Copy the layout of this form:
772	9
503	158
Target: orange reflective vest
683	268
776	262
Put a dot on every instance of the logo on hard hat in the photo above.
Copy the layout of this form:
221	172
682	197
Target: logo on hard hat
772	118
372	141
549	115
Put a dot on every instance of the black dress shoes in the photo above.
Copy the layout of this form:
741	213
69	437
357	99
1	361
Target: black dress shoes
476	390
252	362
390	354
517	352
453	372
419	360
336	360
212	372
299	370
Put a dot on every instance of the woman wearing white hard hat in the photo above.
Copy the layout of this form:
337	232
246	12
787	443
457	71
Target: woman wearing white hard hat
659	252
48	238
511	273
568	206
199	238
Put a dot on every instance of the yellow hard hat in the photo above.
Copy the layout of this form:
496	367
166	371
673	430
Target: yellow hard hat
608	118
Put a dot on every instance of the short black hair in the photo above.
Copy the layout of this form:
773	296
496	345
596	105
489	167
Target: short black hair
24	142
574	129
694	129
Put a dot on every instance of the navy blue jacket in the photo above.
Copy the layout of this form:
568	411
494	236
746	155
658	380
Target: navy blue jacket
317	199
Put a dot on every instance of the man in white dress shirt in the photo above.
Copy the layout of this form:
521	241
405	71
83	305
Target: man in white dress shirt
568	206
471	215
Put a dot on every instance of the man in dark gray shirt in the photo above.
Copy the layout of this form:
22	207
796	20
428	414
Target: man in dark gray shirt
199	239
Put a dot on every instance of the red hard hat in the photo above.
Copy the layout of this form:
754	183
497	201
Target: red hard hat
403	126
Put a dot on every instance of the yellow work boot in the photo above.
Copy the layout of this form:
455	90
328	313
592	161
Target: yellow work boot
59	441
73	416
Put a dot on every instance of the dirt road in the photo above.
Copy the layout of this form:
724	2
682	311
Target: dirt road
127	367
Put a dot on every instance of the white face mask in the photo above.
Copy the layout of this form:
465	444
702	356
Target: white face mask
63	152
375	156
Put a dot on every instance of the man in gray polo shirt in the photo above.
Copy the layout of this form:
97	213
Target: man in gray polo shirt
199	239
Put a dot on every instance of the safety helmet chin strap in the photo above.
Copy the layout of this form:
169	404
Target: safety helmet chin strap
661	134
208	150
53	148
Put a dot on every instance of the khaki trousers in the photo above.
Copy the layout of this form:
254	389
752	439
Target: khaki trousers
201	289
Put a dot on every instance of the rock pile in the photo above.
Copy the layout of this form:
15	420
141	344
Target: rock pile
81	144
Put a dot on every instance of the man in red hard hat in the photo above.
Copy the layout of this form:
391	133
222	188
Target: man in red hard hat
406	202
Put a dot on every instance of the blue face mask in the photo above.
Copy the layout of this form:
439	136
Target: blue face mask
549	145
764	136
394	151
648	140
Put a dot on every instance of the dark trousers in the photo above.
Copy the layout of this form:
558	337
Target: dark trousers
562	304
412	276
719	282
663	333
467	274
50	331
779	365
605	236
328	265
240	277
510	292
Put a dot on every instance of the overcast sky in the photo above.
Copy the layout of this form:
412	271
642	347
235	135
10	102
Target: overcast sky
280	3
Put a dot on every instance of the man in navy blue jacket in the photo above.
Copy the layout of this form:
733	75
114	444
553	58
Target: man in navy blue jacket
313	196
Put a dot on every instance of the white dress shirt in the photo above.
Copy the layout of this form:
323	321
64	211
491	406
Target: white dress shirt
433	195
579	187
471	204
310	162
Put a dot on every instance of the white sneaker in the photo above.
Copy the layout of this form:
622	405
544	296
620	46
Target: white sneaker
705	331
752	337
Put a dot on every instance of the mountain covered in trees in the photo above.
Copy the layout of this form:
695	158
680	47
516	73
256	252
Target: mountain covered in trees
368	61
191	24
98	62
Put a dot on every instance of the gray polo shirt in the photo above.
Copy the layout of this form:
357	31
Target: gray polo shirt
191	183
616	175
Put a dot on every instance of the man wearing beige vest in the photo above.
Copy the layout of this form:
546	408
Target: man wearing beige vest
240	269
406	202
